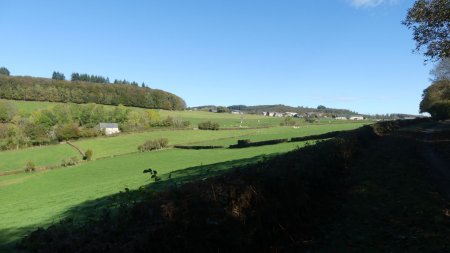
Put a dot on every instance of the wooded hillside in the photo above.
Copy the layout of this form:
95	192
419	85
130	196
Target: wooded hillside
43	89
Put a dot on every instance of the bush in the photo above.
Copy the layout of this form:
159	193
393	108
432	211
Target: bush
30	166
154	144
67	131
440	110
70	162
186	123
208	125
89	132
288	121
88	155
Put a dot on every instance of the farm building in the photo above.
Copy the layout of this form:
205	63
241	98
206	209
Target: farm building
290	114
236	112
109	128
356	118
341	118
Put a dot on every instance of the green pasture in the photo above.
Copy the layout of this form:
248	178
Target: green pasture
40	156
37	199
27	107
105	147
225	120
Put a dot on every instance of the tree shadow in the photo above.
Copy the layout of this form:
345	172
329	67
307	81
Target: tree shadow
10	236
92	209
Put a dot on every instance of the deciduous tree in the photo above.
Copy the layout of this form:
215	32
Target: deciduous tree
429	20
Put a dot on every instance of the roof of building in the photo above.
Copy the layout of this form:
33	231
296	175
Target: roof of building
109	125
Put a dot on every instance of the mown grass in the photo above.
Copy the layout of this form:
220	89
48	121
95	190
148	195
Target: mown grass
40	156
37	199
104	147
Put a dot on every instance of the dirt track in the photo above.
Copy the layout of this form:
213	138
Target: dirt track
436	152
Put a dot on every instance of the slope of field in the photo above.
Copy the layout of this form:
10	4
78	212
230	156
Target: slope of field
31	200
370	190
104	147
40	156
37	199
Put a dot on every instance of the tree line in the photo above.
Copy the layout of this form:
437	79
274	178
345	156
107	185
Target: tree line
42	89
72	121
90	78
429	21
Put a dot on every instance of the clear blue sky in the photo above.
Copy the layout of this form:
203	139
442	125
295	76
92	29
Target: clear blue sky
351	54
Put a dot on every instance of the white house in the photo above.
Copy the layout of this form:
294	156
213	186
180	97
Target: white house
341	118
291	114
356	118
278	114
110	128
236	112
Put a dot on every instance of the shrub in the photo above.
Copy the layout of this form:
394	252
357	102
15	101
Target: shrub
440	110
288	121
154	144
208	125
88	155
89	132
67	131
70	162
30	166
311	119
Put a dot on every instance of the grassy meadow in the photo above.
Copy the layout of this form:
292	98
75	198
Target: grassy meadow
40	198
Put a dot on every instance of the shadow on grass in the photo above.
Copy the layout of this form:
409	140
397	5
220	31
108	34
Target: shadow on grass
10	236
92	209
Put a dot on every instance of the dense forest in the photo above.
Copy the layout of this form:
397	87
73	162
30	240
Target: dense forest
43	89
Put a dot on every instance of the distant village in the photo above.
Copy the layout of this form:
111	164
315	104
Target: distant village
313	114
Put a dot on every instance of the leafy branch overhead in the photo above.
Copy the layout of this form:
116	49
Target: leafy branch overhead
430	22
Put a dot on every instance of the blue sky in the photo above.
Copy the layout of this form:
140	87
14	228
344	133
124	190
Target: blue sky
351	54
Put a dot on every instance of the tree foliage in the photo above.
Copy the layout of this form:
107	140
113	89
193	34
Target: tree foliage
208	125
442	70
4	71
72	121
58	76
435	98
429	20
41	89
89	78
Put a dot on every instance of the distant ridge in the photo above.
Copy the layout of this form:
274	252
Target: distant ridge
258	109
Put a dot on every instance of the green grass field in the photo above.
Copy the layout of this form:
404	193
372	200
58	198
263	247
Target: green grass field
40	156
40	198
226	120
104	147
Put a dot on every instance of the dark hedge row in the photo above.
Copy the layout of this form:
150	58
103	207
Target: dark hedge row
317	137
197	147
248	143
42	89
